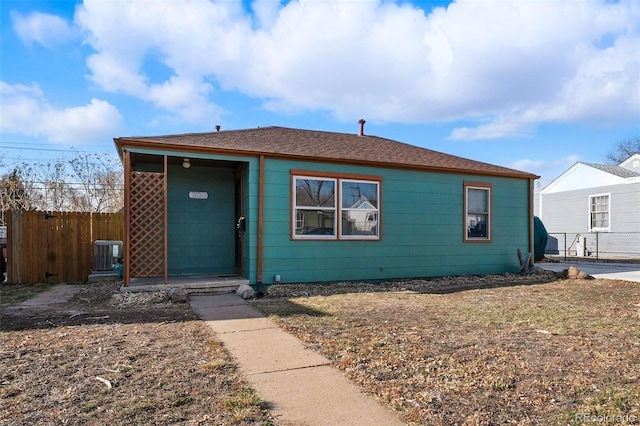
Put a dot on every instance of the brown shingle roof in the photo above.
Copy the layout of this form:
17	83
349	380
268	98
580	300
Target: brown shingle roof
322	146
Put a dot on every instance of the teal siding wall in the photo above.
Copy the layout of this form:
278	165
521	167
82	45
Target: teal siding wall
199	243
421	223
200	232
422	229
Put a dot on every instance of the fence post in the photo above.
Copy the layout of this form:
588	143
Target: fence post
597	246
565	246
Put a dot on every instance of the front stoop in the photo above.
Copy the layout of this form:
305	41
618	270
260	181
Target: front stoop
99	276
190	285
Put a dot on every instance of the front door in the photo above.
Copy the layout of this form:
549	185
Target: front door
240	223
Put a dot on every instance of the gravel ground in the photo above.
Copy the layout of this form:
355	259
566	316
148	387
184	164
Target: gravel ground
430	285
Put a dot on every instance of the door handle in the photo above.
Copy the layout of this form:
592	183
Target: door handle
241	225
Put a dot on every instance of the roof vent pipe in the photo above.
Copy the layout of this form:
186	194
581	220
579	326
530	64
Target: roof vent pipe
217	128
361	127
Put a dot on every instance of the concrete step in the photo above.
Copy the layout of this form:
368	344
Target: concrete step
211	290
191	285
98	276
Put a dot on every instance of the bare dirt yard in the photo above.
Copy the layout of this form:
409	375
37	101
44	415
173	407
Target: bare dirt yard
562	352
108	359
485	350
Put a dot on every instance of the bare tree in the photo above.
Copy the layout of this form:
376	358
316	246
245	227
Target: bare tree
53	177
13	194
623	150
101	181
89	182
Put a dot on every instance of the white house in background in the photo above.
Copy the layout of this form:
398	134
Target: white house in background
595	198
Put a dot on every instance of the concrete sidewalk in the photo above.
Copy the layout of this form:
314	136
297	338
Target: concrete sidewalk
60	293
608	270
300	384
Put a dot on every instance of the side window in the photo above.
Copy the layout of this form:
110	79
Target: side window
477	212
359	202
599	212
315	207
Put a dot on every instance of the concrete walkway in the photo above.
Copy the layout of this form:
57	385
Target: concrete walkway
60	293
612	271
300	384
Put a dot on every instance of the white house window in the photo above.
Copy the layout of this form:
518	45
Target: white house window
599	212
477	211
315	207
319	201
359	203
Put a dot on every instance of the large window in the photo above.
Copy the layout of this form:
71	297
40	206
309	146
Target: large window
477	211
315	212
336	207
599	212
359	208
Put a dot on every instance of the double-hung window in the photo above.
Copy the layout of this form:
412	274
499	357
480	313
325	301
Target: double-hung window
477	212
335	206
315	207
359	205
599	212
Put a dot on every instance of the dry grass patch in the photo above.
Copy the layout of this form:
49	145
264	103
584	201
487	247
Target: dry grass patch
104	360
527	354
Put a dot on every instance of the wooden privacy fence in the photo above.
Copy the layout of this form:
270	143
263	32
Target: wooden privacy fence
56	246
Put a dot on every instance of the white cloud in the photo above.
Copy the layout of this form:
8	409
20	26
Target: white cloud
497	128
25	110
504	69
531	166
180	36
554	167
45	29
186	98
605	89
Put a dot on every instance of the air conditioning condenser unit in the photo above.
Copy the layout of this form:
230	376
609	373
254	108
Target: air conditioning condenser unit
106	254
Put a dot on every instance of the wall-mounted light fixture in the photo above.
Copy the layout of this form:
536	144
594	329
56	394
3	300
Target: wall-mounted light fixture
186	163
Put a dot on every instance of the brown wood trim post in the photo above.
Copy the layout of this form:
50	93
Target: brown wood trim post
127	217
260	218
531	227
166	222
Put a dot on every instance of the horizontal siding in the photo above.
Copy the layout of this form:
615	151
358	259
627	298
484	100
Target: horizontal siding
569	211
625	208
422	229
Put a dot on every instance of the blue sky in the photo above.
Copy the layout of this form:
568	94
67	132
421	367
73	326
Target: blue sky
532	85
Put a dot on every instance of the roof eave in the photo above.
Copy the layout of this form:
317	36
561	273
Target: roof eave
122	143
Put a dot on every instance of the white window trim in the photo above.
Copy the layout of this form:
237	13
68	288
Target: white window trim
489	224
595	229
314	208
337	209
299	222
377	211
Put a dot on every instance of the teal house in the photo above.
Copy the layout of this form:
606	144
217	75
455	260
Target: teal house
289	205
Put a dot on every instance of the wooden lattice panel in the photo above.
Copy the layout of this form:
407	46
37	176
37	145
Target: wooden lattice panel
147	224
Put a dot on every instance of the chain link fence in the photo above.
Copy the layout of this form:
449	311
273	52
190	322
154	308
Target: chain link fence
594	245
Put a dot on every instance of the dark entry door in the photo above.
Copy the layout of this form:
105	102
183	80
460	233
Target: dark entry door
240	223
